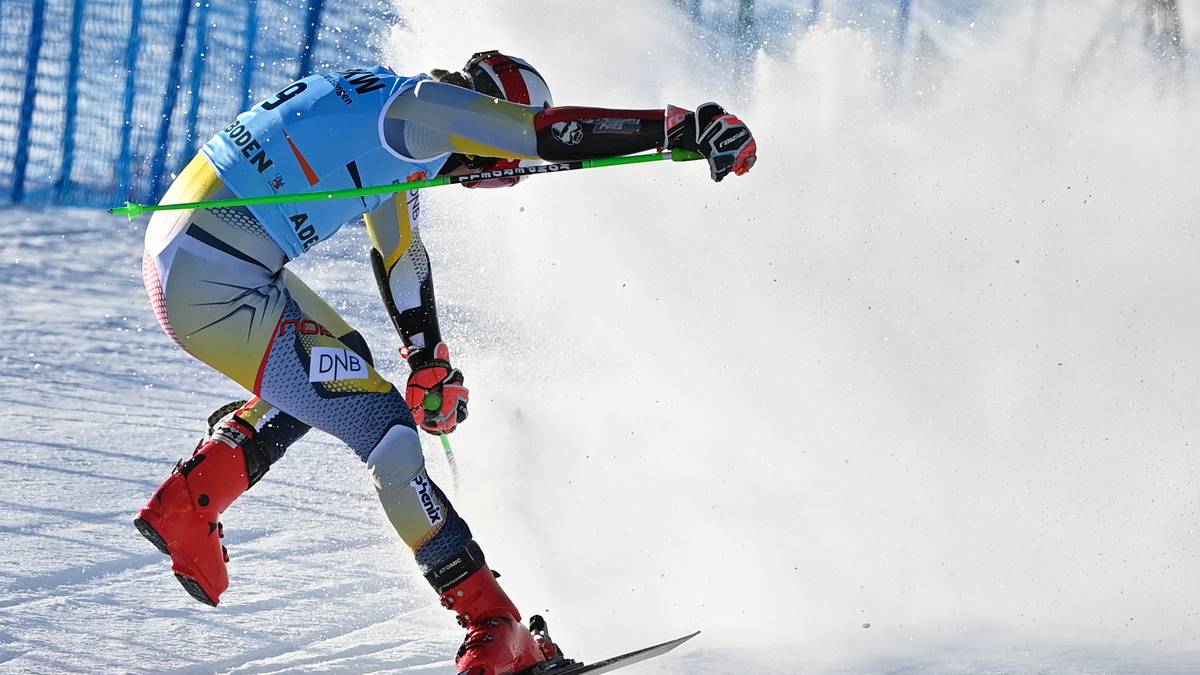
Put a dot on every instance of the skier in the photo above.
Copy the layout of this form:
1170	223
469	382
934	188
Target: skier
221	289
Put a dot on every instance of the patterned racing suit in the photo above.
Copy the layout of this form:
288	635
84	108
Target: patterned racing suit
221	291
218	281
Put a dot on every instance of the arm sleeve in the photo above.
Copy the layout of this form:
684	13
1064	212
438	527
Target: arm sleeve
446	118
403	274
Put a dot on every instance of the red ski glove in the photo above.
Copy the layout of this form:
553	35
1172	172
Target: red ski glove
435	393
722	138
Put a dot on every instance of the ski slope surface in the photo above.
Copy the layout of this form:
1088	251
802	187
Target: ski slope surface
918	394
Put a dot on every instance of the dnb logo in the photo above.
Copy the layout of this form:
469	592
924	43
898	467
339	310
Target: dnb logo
429	501
567	133
327	364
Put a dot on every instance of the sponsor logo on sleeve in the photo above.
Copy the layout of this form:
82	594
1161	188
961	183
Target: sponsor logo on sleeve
617	126
567	133
414	196
327	364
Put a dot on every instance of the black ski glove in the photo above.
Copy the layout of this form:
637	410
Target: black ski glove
722	138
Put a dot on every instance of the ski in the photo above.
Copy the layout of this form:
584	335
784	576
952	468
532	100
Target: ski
571	667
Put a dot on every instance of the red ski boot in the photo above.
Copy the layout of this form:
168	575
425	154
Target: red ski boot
182	518
496	643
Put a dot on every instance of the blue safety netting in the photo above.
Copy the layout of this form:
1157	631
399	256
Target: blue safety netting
101	100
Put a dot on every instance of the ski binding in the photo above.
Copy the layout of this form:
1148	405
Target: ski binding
564	666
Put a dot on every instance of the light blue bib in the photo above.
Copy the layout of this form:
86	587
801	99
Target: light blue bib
320	133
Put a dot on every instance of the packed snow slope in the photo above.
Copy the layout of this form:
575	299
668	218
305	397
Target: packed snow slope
919	393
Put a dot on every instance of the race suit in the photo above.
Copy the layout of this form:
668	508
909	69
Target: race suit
218	281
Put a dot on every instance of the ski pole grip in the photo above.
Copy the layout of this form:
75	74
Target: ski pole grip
432	402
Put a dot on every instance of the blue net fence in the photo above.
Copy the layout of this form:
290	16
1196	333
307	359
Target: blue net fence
100	100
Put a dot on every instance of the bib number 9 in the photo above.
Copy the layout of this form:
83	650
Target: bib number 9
286	94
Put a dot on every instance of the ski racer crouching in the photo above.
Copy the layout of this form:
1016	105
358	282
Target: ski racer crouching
221	289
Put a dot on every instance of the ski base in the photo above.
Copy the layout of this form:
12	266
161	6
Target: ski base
571	667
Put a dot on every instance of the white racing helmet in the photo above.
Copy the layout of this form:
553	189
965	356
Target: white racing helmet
512	79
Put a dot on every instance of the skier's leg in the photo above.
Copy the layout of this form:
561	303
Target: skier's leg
314	376
300	374
211	276
182	518
219	290
274	430
307	372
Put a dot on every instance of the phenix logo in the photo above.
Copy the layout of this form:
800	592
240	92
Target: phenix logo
429	501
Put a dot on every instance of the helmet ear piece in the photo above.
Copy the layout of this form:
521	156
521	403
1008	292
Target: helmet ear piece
481	80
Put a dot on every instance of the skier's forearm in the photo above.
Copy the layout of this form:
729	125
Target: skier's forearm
453	119
565	133
409	301
402	273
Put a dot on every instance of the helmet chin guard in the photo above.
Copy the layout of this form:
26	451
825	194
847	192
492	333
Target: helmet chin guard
511	79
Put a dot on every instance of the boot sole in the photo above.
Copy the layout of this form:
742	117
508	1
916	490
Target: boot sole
151	535
193	588
190	585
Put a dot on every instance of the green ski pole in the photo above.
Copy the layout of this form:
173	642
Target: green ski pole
450	460
432	403
133	209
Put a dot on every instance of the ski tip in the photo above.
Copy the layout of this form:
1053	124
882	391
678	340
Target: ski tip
678	641
670	645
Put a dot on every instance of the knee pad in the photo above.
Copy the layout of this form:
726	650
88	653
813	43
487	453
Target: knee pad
395	460
413	504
